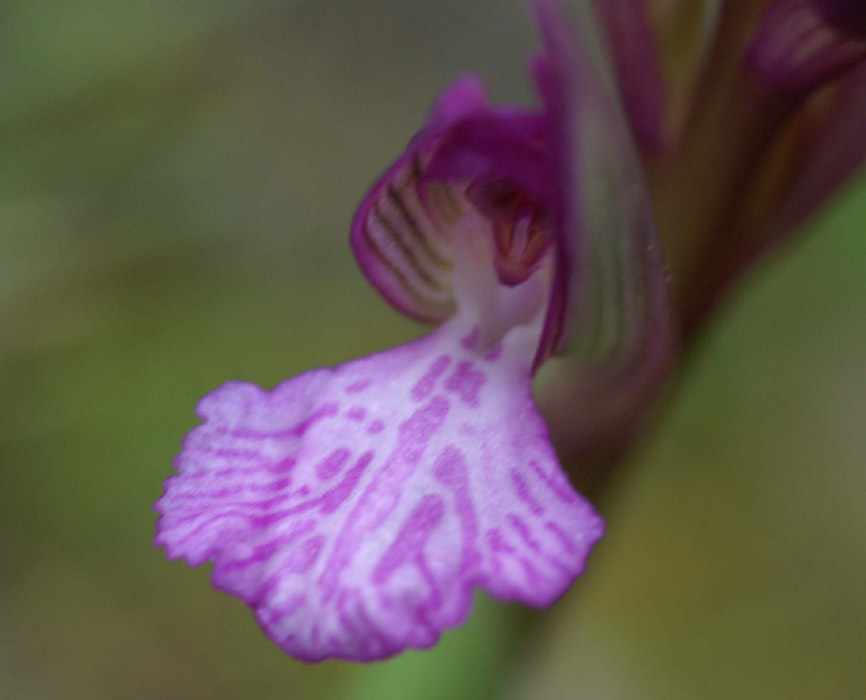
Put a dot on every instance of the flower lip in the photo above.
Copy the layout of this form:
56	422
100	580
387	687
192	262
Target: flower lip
356	509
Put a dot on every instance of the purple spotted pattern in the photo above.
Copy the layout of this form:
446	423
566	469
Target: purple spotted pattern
355	509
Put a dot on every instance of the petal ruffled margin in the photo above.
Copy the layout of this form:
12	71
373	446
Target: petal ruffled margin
355	509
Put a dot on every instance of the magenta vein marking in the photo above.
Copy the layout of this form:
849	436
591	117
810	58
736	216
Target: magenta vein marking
466	382
424	387
556	482
521	489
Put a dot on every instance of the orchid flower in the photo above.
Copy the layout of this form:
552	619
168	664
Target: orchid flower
356	509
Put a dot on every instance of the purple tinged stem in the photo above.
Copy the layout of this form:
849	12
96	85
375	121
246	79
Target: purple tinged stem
638	69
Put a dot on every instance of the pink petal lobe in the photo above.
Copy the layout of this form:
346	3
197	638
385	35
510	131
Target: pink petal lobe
355	509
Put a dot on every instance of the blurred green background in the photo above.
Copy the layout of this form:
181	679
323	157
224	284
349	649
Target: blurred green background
176	182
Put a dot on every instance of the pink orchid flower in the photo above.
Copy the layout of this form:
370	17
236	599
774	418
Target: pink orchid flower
356	509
